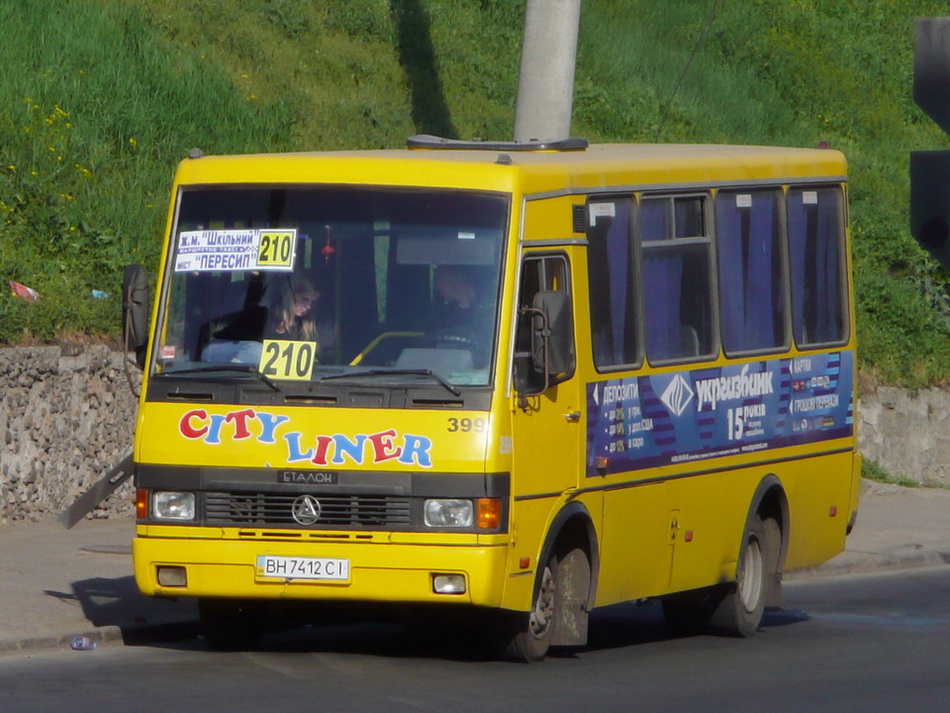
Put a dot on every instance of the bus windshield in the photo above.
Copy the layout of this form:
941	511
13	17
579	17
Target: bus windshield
308	283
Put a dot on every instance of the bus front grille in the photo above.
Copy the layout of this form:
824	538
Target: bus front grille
329	511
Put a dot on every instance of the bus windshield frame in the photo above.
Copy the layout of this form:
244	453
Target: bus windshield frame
387	286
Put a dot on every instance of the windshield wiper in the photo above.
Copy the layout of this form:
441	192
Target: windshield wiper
415	372
243	368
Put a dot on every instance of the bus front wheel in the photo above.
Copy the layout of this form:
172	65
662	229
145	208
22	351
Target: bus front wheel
527	637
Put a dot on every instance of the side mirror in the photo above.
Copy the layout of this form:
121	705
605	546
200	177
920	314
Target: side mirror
551	358
552	343
135	311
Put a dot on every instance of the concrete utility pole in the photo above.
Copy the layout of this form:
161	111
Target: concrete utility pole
546	84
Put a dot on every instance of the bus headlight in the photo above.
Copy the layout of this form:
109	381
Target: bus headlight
167	505
449	513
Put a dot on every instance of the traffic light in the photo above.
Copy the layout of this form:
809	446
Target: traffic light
930	170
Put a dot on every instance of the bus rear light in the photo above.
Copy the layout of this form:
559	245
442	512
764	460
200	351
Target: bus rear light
141	503
489	513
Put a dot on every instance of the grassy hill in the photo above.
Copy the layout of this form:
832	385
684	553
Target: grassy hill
99	100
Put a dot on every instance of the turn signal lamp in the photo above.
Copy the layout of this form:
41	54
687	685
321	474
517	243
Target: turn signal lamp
489	513
141	503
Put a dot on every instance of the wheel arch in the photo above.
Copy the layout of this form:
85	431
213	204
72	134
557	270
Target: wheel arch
770	502
573	525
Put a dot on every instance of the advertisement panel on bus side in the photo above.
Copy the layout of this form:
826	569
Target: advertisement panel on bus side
697	414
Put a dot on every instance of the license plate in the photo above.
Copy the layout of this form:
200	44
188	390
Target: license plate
309	568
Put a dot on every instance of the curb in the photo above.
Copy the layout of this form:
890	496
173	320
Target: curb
870	564
102	637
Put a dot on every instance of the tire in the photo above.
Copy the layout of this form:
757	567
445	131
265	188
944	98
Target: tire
740	610
527	637
773	535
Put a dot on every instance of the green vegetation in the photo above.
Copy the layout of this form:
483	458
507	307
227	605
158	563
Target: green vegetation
99	100
95	109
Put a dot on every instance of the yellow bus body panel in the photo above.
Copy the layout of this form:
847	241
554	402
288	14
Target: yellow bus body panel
359	439
656	531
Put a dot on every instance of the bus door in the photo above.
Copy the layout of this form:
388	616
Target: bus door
547	424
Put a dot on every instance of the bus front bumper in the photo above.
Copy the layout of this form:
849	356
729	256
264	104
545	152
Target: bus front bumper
167	565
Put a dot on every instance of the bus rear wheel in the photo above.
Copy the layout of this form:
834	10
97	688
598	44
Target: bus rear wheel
740	610
733	609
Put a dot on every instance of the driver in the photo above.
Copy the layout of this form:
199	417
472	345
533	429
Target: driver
454	288
460	315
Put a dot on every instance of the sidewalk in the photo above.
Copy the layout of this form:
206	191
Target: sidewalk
57	583
897	528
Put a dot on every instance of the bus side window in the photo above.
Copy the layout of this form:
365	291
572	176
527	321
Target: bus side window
751	278
816	256
677	282
611	270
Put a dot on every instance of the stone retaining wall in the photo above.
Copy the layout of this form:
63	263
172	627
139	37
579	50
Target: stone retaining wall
906	433
67	418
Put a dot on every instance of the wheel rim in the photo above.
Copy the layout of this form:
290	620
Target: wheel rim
750	578
543	612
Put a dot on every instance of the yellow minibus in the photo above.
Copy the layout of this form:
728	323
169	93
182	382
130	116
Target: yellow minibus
506	381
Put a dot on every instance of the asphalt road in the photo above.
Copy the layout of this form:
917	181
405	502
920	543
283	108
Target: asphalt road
857	643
